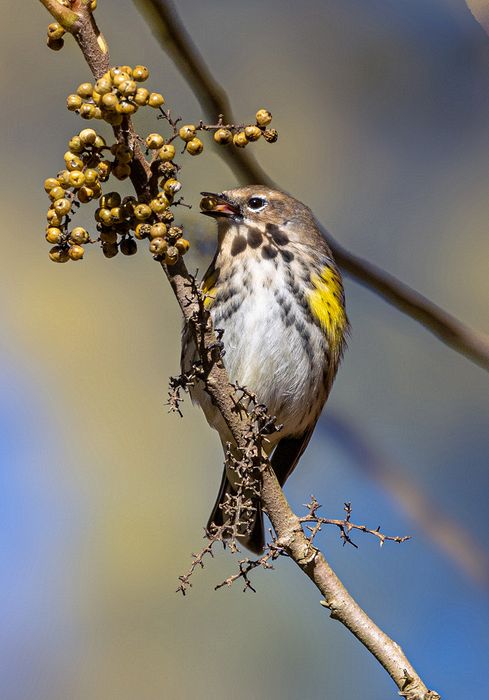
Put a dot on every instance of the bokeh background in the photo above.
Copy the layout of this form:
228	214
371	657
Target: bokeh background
383	114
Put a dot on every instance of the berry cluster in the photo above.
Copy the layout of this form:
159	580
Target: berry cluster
241	137
115	95
89	162
119	220
225	134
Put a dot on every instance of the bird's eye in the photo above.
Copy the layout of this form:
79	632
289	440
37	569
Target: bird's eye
257	203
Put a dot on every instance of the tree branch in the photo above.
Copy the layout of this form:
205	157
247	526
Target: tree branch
168	28
480	10
286	524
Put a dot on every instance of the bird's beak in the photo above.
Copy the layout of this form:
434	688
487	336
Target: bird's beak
217	205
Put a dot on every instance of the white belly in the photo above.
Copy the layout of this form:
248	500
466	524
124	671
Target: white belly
279	357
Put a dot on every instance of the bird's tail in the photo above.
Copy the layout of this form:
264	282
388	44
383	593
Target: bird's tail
254	538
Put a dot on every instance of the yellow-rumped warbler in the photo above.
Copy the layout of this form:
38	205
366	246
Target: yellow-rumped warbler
274	290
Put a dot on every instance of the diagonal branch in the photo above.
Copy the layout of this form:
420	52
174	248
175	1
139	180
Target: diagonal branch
480	10
286	524
168	28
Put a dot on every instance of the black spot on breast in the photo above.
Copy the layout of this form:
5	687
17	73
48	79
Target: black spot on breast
303	331
254	237
278	236
268	252
285	307
230	309
287	255
239	244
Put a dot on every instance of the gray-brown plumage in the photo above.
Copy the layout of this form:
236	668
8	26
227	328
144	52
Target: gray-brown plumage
276	293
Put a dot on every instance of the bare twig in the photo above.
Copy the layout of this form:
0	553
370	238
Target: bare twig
286	524
168	28
344	525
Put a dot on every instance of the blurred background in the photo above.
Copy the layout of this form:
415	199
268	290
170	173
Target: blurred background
383	114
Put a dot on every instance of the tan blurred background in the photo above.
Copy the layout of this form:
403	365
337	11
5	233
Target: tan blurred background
382	110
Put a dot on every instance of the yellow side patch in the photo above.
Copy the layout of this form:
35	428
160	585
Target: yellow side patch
326	303
209	289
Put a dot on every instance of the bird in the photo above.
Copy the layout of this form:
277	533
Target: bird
276	296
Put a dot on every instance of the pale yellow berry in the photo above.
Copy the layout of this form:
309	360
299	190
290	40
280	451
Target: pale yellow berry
263	117
87	111
240	139
125	107
56	193
103	86
109	101
79	235
158	246
187	132
140	73
99	142
50	183
172	186
91	176
154	141
182	245
62	206
74	163
85	90
195	146
158	230
116	215
75	145
53	218
141	97
53	235
166	152
223	136
159	204
74	102
128	88
76	252
77	178
120	78
252	133
156	100
142	212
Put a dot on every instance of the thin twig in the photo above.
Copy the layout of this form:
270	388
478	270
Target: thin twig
168	28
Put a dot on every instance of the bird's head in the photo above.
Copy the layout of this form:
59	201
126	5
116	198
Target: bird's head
254	206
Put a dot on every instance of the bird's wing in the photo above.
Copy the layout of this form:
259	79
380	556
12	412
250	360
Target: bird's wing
287	454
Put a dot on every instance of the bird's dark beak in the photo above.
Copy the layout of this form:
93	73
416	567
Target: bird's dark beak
218	205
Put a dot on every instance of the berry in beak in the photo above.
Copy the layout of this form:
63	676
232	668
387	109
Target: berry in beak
217	205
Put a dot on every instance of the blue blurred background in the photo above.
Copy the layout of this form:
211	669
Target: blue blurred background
383	114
